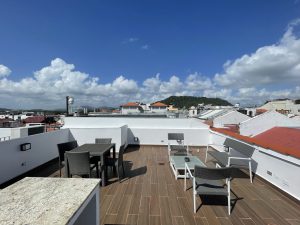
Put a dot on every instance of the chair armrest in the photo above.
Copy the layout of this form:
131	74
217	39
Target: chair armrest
239	158
233	157
215	145
189	171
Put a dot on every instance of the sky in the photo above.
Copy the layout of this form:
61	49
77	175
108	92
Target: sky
105	53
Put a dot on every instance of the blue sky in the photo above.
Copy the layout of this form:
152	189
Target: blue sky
125	47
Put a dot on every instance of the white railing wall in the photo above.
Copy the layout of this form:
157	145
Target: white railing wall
88	134
280	170
14	162
144	131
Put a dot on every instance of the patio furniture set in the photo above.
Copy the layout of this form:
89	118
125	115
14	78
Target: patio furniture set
81	160
209	181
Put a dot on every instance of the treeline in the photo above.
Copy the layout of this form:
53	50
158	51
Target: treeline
188	101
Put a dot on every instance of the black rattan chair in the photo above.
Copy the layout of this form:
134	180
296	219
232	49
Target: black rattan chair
79	164
103	140
62	148
117	163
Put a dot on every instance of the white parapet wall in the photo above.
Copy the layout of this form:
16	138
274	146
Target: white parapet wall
146	131
280	170
88	134
14	162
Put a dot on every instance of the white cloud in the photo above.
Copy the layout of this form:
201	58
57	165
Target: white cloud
4	71
145	47
269	65
133	39
270	72
196	82
130	40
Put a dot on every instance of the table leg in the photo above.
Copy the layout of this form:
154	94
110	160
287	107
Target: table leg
114	156
103	171
66	167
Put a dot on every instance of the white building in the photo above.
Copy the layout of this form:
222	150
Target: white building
286	106
131	108
266	121
193	111
9	133
230	118
158	107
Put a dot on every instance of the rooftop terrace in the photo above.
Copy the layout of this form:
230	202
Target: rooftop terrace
151	195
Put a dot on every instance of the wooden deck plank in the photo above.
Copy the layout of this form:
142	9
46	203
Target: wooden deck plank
115	204
123	209
201	221
188	215
155	220
144	210
166	218
177	220
224	221
132	219
247	222
154	200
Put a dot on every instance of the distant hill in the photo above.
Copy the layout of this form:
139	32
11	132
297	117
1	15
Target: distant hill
188	101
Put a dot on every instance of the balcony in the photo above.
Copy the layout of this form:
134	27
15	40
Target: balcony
151	195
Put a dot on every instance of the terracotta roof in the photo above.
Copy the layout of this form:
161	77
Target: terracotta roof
131	104
209	122
35	119
159	104
233	127
233	134
260	111
280	139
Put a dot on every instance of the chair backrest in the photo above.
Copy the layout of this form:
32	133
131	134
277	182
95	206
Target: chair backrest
213	173
64	147
178	138
121	153
103	140
78	162
244	149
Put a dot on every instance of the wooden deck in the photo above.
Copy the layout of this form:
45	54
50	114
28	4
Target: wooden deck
151	195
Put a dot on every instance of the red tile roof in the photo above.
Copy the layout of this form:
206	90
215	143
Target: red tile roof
131	104
159	104
35	119
280	139
233	134
261	111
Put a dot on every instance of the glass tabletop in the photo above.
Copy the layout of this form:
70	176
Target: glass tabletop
179	161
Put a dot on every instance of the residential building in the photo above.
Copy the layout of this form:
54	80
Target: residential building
171	108
230	118
131	108
158	107
285	106
193	112
265	121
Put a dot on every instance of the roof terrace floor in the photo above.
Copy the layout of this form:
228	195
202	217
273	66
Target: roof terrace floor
151	195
